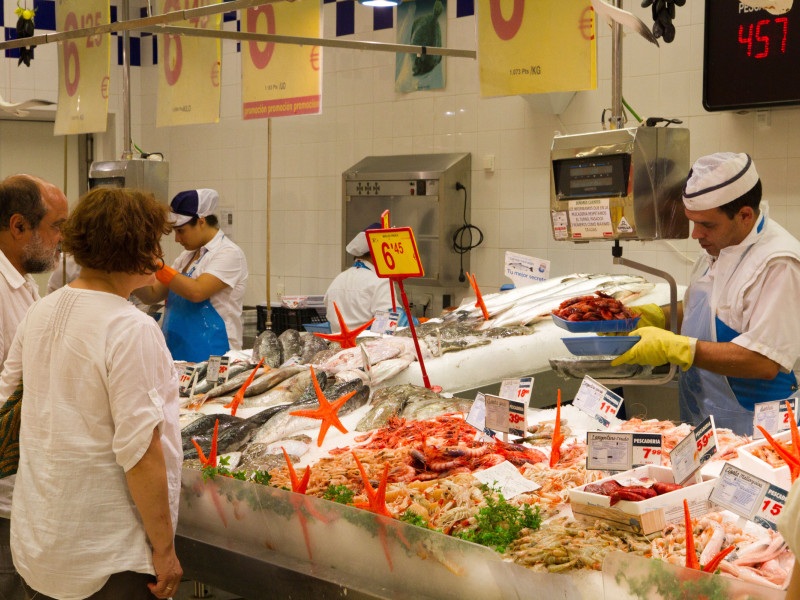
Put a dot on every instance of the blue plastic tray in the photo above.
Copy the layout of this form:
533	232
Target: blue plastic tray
615	326
597	345
317	327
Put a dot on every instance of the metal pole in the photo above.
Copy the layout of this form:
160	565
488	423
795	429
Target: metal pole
616	73
269	196
126	86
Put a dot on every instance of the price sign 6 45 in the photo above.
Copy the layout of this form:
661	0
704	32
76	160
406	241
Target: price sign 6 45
394	252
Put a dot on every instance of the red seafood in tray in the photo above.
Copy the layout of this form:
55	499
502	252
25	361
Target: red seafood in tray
632	493
600	307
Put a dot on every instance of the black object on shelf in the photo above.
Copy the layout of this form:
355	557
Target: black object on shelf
287	318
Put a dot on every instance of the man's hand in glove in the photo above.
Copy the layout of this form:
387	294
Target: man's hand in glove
657	347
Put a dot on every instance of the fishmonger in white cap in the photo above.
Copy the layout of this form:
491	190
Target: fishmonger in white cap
205	286
740	341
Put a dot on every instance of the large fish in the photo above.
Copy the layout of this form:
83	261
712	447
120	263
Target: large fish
312	345
285	424
287	392
269	380
290	343
205	386
231	385
422	411
267	347
378	416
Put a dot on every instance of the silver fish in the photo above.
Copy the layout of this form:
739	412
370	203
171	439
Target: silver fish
312	345
231	385
286	392
272	378
422	411
267	347
290	344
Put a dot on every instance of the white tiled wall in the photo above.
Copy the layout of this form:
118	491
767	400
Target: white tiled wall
363	115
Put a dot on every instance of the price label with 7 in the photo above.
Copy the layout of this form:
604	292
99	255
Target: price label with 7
394	252
646	449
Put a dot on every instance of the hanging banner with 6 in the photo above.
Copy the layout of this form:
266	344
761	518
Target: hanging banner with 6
280	80
188	70
83	66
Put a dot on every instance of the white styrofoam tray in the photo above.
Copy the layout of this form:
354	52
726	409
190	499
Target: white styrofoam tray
780	476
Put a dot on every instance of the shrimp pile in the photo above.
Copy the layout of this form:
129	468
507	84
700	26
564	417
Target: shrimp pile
769	455
563	544
556	483
593	308
767	561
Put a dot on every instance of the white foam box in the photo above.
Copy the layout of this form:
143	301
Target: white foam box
647	516
780	476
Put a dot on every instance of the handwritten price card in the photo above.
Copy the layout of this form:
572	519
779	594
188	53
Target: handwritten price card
621	451
517	389
506	416
597	401
280	80
536	47
773	417
749	496
83	65
693	451
394	252
188	70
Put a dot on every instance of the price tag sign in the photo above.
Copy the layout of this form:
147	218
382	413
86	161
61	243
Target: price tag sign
773	417
394	252
524	270
187	379
365	362
224	369
694	450
212	373
506	416
477	415
609	451
508	478
385	322
749	496
647	449
517	389
597	401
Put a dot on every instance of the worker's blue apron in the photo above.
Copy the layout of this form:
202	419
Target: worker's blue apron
193	330
729	399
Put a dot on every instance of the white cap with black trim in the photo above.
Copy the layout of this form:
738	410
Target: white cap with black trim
193	204
717	179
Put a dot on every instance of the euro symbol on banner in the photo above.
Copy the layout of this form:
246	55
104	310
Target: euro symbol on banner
585	23
315	58
215	74
104	88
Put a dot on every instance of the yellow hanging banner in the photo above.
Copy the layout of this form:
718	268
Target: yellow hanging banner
188	70
280	80
536	47
83	66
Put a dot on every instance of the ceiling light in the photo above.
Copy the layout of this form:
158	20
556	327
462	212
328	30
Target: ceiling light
379	3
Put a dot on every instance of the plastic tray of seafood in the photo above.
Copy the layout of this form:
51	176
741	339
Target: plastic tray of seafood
599	367
611	326
762	461
647	515
595	345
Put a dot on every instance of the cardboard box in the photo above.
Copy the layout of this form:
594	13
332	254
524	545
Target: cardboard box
780	476
648	516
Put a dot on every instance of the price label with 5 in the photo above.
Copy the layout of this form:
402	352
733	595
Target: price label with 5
506	416
693	451
394	252
597	401
749	496
517	389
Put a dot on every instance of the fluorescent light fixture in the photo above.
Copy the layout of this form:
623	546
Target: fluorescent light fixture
379	2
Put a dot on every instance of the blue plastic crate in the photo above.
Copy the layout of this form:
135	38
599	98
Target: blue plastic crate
317	327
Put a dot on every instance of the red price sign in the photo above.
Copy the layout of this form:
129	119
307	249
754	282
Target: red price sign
394	253
756	37
703	441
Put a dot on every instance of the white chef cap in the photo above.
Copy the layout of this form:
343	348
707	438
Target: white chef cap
717	179
358	246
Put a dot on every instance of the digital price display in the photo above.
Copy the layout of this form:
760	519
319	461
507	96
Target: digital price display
751	57
592	176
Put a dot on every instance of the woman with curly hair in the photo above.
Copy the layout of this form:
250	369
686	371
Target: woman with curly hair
95	502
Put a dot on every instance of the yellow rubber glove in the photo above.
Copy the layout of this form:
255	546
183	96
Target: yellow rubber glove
657	347
650	315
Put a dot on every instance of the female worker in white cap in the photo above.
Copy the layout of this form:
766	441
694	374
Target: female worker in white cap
204	287
741	338
358	292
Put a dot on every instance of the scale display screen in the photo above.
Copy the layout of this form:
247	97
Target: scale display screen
592	177
751	57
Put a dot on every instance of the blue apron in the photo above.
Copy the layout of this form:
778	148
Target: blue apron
729	399
193	330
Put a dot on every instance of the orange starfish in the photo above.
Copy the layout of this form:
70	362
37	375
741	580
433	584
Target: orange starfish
326	411
376	499
346	337
297	486
474	283
558	439
237	399
211	461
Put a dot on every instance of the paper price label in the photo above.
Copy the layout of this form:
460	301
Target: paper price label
477	415
597	401
187	379
773	417
506	416
647	449
517	389
508	478
608	451
693	451
385	322
224	369
212	373
748	496
394	252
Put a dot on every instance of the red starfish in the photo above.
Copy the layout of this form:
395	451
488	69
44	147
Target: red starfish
376	499
474	283
300	488
346	337
237	399
555	448
211	461
326	411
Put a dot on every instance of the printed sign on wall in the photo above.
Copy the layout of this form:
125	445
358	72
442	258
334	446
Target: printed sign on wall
83	66
420	23
188	70
280	80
